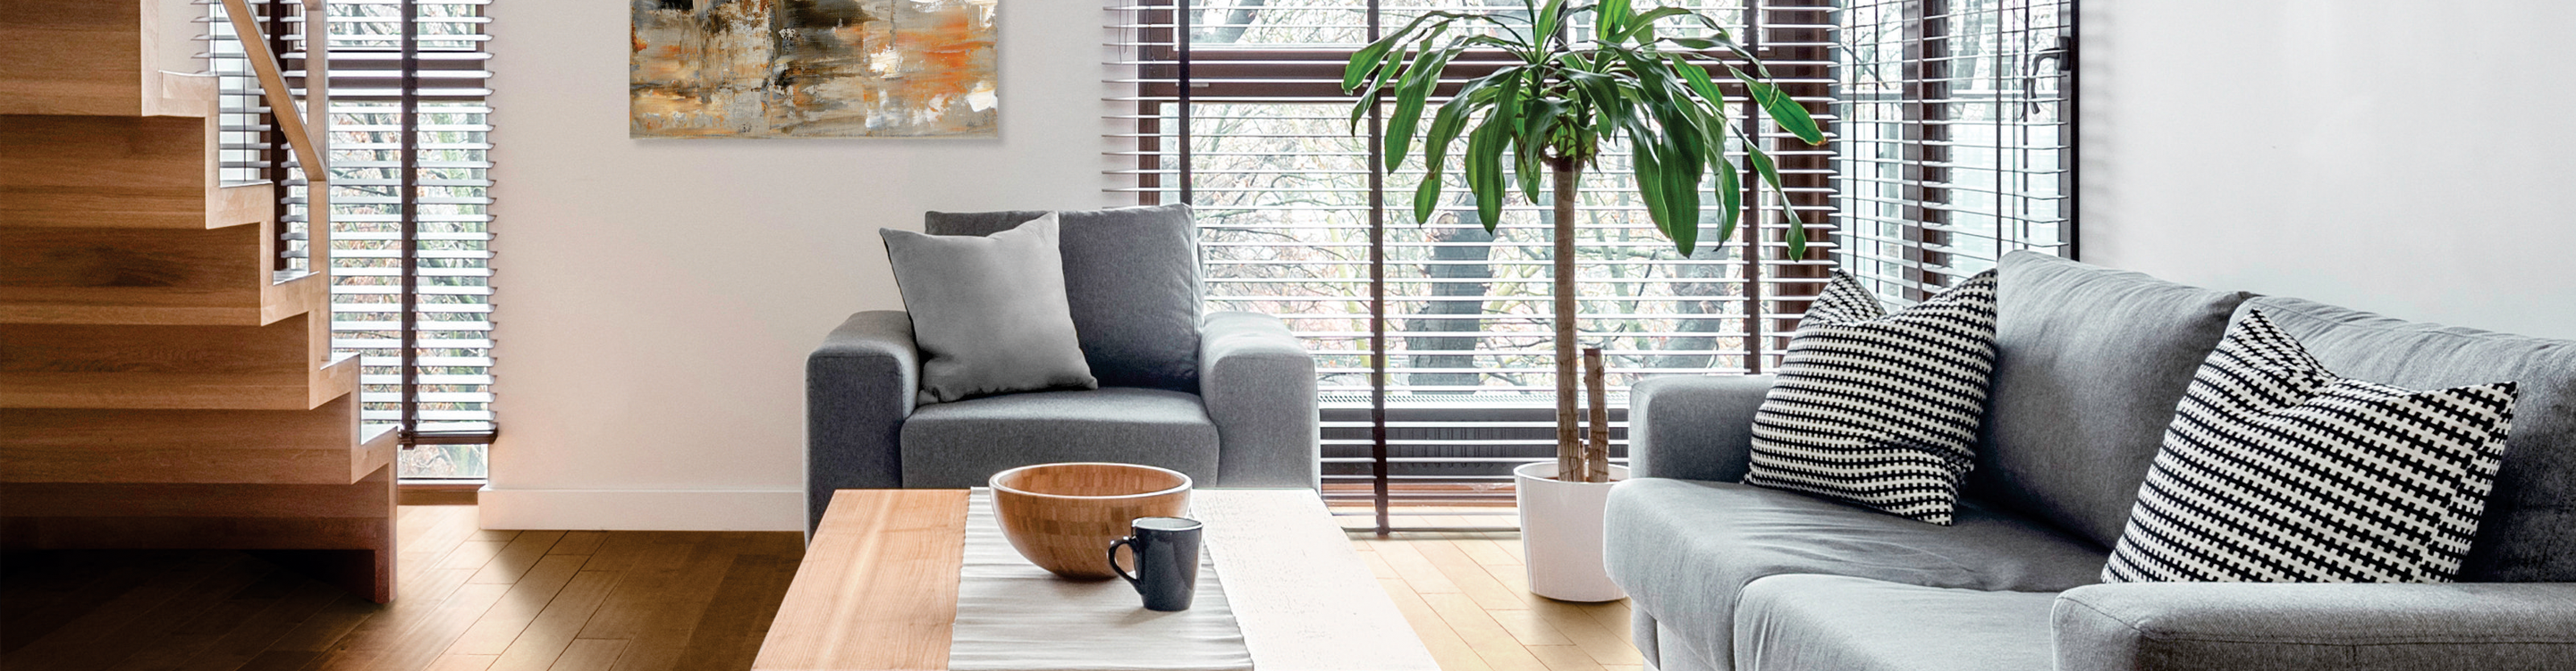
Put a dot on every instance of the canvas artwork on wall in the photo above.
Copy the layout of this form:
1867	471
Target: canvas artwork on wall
812	68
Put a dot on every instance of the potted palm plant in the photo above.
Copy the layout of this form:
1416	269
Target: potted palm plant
1548	111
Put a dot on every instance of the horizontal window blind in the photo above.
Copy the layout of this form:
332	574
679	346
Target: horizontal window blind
1260	141
1956	137
410	255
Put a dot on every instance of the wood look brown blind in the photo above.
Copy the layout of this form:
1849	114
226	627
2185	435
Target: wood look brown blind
410	256
1957	137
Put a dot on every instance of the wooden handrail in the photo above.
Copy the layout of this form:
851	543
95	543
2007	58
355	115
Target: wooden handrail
272	82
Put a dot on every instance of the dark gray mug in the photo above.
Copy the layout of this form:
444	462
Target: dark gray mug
1167	560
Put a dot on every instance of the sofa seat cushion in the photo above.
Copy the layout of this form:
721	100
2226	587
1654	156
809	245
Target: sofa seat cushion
1684	548
1800	622
962	444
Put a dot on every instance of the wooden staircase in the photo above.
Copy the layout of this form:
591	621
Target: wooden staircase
162	383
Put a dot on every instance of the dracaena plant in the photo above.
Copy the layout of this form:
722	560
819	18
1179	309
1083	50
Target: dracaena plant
1560	97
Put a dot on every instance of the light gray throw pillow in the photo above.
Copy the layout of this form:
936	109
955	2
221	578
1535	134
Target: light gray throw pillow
988	312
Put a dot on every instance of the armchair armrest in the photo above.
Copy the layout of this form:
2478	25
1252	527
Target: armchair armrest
1259	387
1693	428
2325	627
859	386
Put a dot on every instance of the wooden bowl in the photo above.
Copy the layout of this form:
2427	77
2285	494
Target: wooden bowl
1063	517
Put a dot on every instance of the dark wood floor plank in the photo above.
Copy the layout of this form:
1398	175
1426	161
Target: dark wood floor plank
729	633
661	636
529	596
107	648
200	632
553	630
469	599
650	577
261	631
622	548
589	654
579	543
71	590
515	559
388	625
438	629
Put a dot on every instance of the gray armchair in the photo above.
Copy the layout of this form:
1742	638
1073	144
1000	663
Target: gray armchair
1227	398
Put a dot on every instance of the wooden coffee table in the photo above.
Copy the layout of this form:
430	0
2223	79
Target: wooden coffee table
878	588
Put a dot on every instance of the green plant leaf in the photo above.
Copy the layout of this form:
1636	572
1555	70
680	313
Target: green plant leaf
1643	28
1484	171
1790	115
1545	23
1610	18
1770	174
1730	195
1411	92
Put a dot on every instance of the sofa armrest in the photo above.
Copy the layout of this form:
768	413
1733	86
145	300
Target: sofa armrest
2324	627
1259	387
859	386
1693	428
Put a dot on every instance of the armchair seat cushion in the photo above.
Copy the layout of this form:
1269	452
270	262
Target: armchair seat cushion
963	444
1685	549
1793	622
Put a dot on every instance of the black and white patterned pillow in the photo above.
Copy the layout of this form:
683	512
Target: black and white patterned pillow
1880	409
2276	470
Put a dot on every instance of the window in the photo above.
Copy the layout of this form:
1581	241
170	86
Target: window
411	294
1956	137
1234	106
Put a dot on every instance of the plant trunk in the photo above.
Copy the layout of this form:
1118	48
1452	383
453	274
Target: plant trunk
1569	443
1596	395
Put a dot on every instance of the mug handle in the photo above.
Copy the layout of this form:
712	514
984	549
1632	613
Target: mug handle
1130	542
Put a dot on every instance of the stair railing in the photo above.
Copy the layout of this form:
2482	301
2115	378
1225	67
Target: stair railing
305	127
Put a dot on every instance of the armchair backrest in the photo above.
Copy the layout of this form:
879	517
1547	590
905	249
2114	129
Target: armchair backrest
1132	277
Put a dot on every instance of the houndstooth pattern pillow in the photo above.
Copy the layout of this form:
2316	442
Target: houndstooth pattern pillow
1880	409
2276	470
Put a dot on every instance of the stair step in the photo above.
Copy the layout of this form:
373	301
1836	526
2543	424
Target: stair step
324	445
120	172
91	58
217	277
288	365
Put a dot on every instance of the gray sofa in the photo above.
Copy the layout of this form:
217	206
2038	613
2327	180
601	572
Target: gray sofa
2092	362
1227	398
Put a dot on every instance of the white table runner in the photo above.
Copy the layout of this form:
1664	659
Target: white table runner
1014	616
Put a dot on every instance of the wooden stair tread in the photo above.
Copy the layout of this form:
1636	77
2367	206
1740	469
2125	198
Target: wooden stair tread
164	306
122	172
323	446
155	390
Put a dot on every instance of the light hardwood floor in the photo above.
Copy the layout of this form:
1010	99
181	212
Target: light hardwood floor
1467	596
476	600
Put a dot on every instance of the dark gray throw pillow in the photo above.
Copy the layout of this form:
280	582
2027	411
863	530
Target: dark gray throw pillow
988	312
1131	275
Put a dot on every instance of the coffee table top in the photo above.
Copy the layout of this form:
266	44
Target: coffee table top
878	587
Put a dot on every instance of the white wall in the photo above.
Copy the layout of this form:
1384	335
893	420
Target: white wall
656	298
2294	147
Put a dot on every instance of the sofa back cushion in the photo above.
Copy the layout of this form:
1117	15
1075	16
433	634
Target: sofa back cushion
2089	365
1131	275
2529	530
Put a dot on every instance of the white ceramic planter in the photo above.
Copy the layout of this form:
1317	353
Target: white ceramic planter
1561	533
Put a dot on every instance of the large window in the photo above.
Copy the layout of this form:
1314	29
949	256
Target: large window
1955	137
1235	108
409	254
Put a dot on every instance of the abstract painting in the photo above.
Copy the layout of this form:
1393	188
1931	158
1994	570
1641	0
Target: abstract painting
812	68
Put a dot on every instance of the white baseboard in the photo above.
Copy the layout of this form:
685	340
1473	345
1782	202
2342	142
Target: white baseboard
643	509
